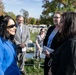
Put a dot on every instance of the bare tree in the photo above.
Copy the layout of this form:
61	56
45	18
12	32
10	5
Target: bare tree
25	14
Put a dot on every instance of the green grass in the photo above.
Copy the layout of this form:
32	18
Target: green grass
33	36
30	70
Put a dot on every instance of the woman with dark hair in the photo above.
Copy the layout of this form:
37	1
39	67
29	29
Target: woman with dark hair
64	58
8	65
39	42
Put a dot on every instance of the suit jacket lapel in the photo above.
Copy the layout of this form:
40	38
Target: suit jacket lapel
23	29
18	31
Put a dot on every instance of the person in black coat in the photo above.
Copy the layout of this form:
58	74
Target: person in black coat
64	58
53	36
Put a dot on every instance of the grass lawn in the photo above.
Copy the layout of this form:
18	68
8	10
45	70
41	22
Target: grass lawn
31	70
33	36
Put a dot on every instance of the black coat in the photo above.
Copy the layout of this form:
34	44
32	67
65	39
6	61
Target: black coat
64	58
55	44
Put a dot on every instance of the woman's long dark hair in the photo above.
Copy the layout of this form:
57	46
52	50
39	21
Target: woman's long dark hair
3	25
69	27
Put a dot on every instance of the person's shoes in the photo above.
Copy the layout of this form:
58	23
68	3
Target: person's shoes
23	72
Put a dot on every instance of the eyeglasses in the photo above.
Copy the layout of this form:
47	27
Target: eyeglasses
11	26
56	17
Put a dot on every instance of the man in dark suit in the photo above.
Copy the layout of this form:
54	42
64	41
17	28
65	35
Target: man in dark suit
21	39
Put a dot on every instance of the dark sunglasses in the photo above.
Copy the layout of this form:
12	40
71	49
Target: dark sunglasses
11	26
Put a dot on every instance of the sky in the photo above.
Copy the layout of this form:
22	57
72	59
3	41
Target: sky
34	7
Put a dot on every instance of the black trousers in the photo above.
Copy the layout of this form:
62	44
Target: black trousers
46	67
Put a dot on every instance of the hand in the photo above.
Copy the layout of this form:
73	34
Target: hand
47	53
22	45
